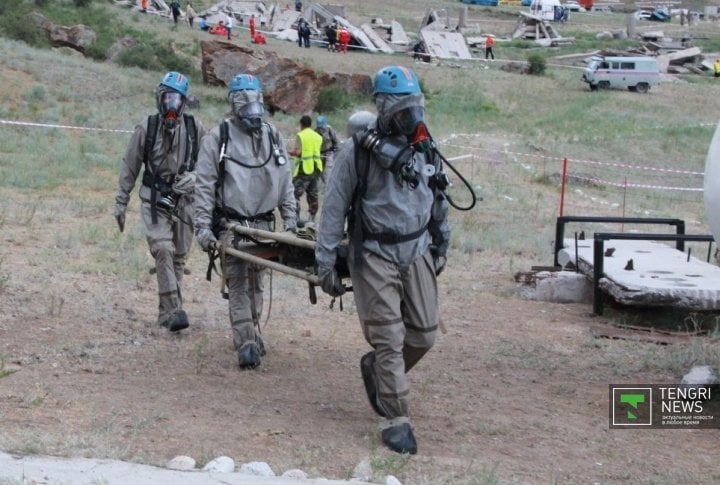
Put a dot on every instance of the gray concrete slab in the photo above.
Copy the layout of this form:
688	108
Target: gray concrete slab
661	274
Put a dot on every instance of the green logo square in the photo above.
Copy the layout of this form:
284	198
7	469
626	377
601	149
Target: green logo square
631	406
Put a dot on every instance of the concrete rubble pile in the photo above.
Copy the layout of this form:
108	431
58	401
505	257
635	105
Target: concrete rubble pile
440	39
535	28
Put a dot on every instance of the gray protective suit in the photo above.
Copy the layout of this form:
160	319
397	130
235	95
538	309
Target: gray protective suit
395	285
329	147
248	195
171	237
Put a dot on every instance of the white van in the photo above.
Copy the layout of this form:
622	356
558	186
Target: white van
545	9
635	73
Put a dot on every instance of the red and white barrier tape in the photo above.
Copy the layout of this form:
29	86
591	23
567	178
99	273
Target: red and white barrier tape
67	127
635	186
589	162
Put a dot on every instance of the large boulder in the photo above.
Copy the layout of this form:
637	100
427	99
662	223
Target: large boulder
78	37
287	86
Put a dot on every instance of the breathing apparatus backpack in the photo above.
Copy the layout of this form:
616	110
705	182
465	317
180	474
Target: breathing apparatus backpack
358	233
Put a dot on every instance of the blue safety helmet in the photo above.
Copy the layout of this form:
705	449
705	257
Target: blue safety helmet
395	80
177	82
244	82
321	121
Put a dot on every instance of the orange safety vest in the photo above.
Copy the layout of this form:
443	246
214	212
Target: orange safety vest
310	143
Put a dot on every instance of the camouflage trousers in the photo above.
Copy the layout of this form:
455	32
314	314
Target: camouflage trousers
307	184
398	310
169	241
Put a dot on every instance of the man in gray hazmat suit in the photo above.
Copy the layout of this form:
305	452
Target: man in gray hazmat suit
243	175
166	146
388	180
329	144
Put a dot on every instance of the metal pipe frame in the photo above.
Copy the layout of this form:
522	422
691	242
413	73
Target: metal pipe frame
563	220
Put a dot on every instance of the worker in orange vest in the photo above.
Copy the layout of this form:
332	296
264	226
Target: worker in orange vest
489	43
343	39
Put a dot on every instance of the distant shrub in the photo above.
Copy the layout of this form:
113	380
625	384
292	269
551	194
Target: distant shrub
536	64
18	26
142	56
333	98
82	3
153	55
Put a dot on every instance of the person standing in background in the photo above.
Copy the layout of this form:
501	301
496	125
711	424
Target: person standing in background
308	166
175	7
190	13
329	146
229	25
489	43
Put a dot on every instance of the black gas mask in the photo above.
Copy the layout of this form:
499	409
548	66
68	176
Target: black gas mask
411	123
247	106
170	106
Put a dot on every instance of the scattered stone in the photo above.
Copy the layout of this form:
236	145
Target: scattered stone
221	464
120	46
181	462
605	35
700	375
259	468
363	470
295	473
391	480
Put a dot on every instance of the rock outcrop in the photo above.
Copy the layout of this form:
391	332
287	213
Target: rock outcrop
78	37
287	85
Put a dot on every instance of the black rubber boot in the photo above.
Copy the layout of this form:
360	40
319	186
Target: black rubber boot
367	369
177	321
400	438
249	356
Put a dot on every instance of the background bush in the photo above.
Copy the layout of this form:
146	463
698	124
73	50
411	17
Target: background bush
536	64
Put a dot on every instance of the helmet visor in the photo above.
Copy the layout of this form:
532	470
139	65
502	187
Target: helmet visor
171	101
406	120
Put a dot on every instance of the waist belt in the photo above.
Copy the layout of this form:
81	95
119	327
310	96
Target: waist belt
156	184
235	216
148	180
393	237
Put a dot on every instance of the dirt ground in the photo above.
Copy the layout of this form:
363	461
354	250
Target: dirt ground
514	391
